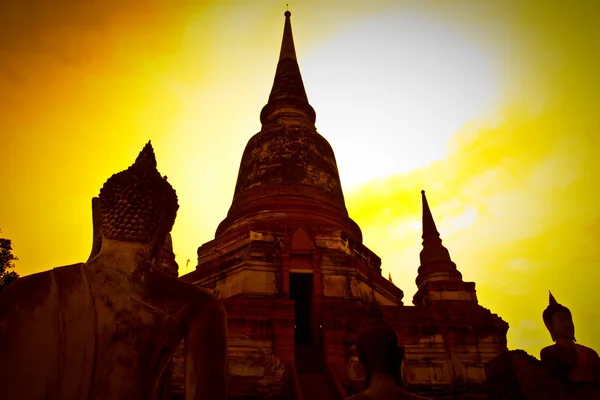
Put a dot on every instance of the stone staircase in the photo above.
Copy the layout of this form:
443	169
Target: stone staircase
314	384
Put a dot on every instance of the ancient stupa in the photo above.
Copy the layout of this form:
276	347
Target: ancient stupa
296	279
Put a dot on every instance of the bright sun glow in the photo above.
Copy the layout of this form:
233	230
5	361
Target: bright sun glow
410	84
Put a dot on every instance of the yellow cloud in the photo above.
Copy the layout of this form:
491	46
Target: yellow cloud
527	180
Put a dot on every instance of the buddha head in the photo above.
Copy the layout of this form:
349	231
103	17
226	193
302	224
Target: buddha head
138	205
377	346
558	321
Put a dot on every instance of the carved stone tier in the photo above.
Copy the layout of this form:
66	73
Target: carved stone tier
259	264
447	341
445	290
447	345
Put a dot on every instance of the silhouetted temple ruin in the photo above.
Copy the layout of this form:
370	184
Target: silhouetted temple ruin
296	279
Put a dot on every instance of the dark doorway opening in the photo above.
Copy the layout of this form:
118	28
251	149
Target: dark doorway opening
301	293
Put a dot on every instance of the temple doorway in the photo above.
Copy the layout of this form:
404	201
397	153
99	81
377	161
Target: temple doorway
301	285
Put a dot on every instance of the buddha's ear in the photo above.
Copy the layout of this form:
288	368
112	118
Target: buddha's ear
157	248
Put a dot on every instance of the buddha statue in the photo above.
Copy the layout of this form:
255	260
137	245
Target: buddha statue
570	363
381	357
106	329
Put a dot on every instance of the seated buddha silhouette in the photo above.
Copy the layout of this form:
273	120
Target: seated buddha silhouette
381	357
569	362
105	329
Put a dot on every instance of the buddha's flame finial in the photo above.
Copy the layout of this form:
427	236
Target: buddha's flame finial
146	158
552	300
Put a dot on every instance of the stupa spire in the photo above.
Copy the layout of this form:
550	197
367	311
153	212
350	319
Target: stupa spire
288	96
288	170
429	229
287	44
433	250
435	258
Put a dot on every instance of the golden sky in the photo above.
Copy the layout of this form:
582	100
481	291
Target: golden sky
491	107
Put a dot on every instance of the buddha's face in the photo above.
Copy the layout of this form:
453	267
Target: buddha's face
562	326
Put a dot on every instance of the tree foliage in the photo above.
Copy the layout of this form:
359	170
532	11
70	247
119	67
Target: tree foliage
7	259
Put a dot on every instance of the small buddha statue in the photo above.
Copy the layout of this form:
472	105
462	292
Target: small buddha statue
381	357
106	329
569	362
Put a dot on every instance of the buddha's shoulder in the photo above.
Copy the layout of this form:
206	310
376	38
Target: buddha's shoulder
174	295
39	291
549	350
173	287
42	284
70	275
588	350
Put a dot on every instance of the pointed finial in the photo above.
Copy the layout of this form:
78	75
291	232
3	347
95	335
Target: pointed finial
552	301
429	228
435	258
288	96
146	158
390	277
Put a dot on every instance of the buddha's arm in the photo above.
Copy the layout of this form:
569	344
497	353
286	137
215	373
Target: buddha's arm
29	336
206	352
545	358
